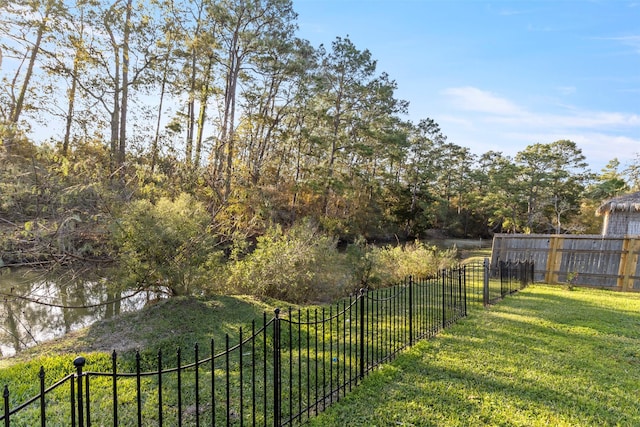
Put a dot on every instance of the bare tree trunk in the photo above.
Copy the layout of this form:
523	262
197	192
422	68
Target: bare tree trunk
202	115
73	89
231	138
17	110
333	153
125	85
224	163
115	123
191	112
70	109
191	107
115	112
156	139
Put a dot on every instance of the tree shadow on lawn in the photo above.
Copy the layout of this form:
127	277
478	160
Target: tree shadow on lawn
600	310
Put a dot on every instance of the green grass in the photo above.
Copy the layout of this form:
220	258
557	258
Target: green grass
470	255
180	322
167	324
546	356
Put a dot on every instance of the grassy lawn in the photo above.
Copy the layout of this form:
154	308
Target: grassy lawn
475	255
546	356
167	325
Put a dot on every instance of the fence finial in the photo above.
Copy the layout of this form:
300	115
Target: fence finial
79	362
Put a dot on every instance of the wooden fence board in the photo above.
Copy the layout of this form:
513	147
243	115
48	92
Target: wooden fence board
583	260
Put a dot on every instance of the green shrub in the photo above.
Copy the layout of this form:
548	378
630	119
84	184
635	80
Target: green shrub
166	246
303	264
392	264
298	265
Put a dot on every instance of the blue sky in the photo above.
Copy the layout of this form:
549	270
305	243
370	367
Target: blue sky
501	75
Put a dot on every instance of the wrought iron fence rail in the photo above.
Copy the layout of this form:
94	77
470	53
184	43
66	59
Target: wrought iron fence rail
284	372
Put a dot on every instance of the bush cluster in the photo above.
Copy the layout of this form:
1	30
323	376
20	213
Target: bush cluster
393	263
303	264
165	246
298	265
169	245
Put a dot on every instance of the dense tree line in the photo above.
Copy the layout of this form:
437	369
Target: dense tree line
219	100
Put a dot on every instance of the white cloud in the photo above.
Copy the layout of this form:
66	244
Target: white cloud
566	90
455	120
512	12
473	99
632	41
571	120
497	109
486	120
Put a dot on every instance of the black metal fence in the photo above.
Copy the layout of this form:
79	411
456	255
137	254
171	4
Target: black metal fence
475	273
513	276
488	283
281	372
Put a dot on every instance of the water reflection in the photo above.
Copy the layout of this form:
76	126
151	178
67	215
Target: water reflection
37	308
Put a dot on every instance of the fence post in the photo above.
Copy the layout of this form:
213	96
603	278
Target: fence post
5	397
276	369
502	265
532	271
43	412
462	279
114	376
72	398
362	337
139	389
79	363
160	416
444	299
485	283
410	311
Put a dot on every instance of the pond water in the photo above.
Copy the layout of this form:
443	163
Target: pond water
37	307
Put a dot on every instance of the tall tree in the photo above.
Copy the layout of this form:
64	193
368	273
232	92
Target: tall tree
267	101
350	99
121	52
503	193
247	29
41	24
76	41
420	173
554	176
609	183
454	174
173	33
26	29
632	171
197	27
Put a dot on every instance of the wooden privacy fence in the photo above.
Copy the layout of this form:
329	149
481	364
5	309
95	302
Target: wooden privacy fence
582	260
